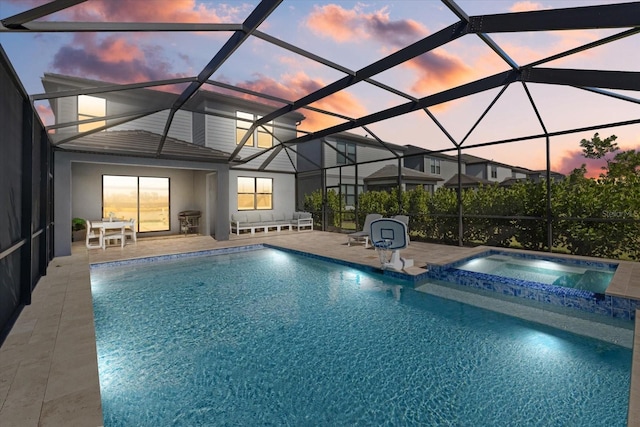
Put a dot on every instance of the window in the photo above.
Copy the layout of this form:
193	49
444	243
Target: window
435	166
349	194
494	171
346	153
255	193
145	199
429	188
91	107
263	134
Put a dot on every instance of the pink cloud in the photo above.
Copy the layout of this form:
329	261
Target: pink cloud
438	69
333	21
45	113
143	11
526	6
435	69
127	58
573	159
113	59
292	87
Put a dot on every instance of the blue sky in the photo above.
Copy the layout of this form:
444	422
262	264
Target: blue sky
352	34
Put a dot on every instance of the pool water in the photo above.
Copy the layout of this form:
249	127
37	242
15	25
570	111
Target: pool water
590	278
271	338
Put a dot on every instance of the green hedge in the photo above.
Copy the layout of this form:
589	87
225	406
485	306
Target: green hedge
582	213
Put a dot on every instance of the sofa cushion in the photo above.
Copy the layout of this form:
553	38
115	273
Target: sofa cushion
280	217
239	217
253	217
266	217
305	215
295	215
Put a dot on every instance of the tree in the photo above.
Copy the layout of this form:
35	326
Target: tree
597	148
624	165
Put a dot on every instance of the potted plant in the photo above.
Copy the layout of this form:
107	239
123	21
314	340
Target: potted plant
78	229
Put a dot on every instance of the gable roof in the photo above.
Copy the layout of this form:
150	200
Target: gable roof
414	150
142	143
364	140
467	159
391	172
467	181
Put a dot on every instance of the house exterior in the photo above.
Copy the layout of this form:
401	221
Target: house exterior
338	154
439	165
110	156
386	179
475	171
490	170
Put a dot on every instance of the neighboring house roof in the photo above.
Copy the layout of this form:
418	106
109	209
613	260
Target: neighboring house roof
470	160
364	140
543	172
412	150
467	181
467	159
507	182
390	172
142	144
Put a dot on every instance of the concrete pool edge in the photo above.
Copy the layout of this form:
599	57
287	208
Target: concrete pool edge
49	369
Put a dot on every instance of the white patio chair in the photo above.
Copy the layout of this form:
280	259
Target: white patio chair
94	236
363	236
130	230
110	234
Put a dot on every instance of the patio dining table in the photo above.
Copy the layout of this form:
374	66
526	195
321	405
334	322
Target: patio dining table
106	225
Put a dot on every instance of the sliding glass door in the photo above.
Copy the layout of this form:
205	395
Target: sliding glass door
145	199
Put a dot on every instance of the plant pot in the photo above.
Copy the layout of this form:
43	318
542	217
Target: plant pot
78	236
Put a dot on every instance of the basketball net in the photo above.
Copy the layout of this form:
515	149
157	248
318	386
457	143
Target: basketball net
382	248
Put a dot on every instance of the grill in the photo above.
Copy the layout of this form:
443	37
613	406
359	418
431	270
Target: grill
189	222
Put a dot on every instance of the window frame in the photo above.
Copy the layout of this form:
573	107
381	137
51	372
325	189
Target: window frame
493	171
345	149
435	166
350	193
86	115
244	121
137	213
266	130
256	193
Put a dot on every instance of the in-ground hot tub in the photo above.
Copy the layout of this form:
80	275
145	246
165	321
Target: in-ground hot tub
568	282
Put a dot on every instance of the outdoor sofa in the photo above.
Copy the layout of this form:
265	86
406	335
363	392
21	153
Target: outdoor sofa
268	220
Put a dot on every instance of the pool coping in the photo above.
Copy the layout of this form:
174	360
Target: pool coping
420	277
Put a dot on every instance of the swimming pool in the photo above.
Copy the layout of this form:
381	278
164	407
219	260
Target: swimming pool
270	338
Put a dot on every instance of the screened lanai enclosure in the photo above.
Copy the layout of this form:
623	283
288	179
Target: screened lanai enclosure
499	123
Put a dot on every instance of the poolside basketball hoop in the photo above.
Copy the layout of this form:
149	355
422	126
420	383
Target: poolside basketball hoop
382	248
390	235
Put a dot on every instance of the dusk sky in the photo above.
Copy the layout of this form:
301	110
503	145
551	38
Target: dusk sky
352	34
